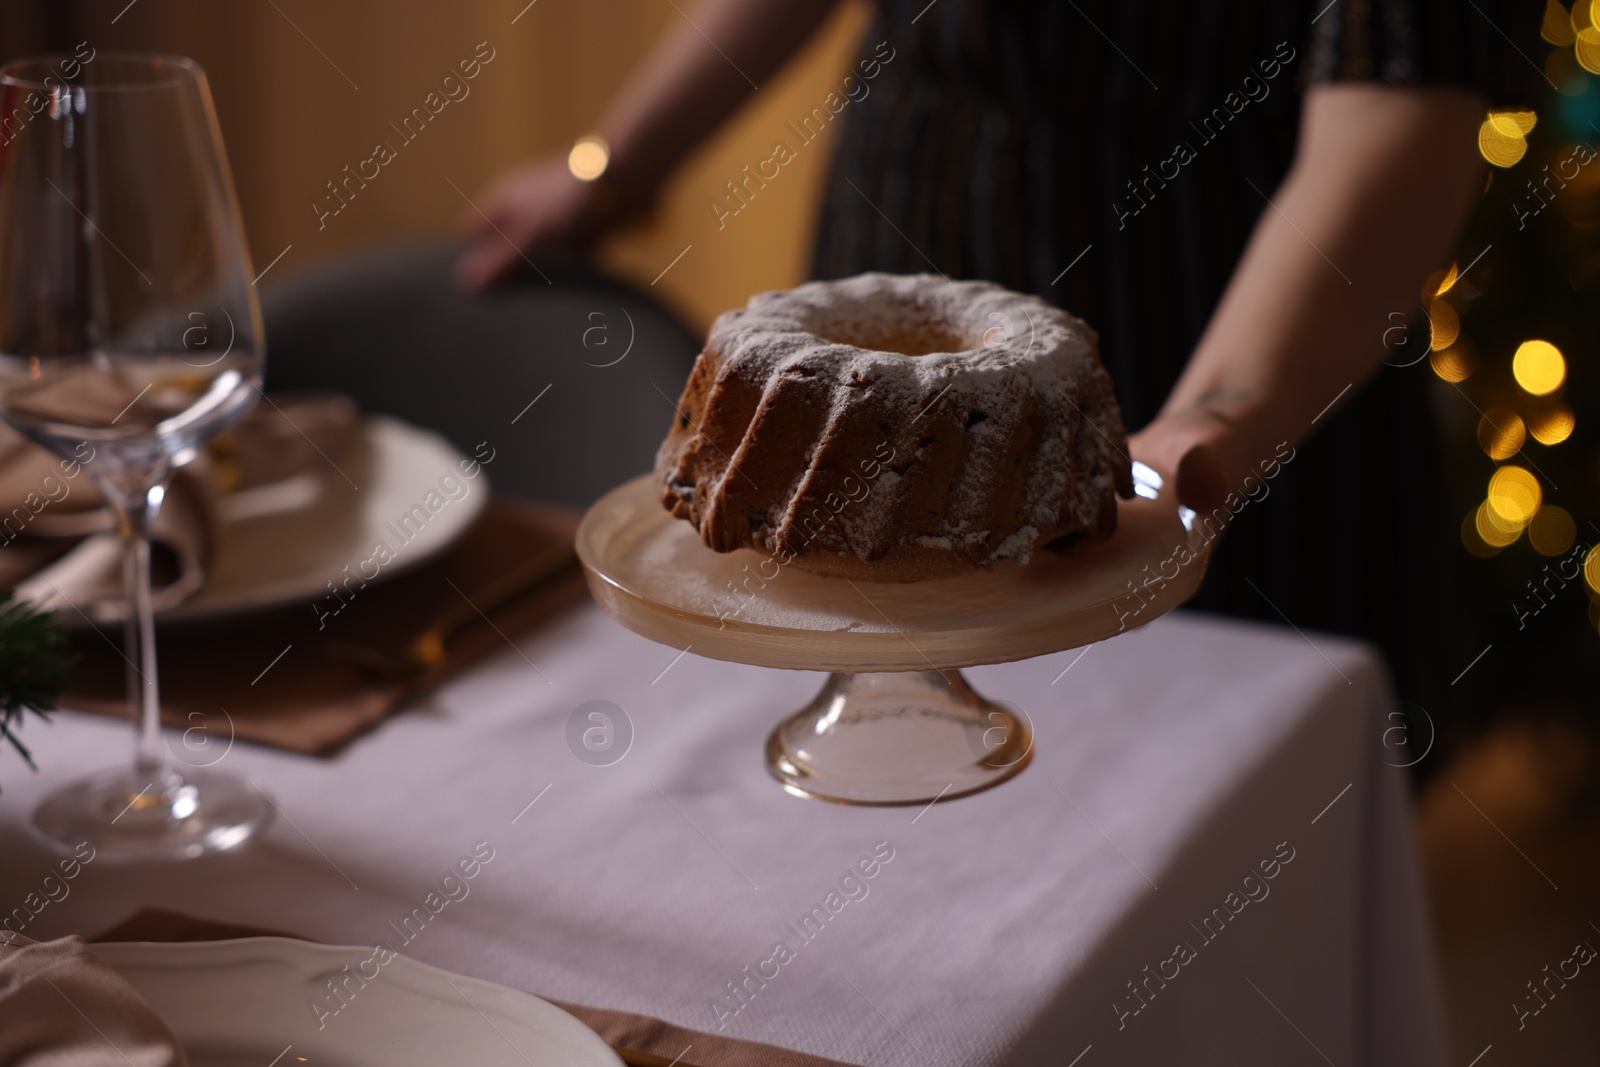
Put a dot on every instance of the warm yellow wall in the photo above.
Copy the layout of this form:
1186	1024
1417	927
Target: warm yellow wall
292	121
768	245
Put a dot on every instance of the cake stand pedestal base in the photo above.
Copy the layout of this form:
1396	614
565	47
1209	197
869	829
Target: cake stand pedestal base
896	723
902	737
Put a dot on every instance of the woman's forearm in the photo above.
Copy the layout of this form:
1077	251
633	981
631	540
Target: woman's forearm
1382	181
701	72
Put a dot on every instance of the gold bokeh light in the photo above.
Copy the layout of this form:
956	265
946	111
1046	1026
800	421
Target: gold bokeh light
1557	28
1587	49
1514	495
1514	123
1451	365
1472	540
1500	142
1552	531
1501	433
1539	367
1554	426
1440	282
1494	531
589	157
1444	325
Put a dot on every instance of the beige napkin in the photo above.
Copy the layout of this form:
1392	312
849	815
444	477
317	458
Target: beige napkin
58	542
62	1006
319	697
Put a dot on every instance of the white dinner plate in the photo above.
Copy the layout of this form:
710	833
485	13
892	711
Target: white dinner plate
268	556
252	1002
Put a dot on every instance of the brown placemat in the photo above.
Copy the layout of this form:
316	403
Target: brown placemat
279	677
641	1040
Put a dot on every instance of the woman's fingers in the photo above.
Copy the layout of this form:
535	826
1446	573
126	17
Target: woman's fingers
1202	480
489	253
524	214
1191	446
487	259
507	220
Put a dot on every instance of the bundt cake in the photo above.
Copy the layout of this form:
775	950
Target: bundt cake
896	428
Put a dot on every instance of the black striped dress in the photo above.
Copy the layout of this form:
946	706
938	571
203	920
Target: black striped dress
1112	156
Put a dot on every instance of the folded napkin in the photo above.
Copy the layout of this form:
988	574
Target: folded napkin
58	542
641	1040
62	1006
324	688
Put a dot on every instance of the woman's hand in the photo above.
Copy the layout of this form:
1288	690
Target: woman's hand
1382	180
1192	445
526	212
672	104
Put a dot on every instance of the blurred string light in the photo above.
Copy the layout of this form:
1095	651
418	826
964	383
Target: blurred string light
1539	367
1451	364
1444	326
1581	18
1514	122
1503	137
1552	531
1587	49
1489	530
1553	426
1577	28
1513	504
589	157
1559	26
1443	323
1586	38
1501	433
1441	282
1514	496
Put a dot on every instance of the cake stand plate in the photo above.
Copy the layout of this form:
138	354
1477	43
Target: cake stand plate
896	724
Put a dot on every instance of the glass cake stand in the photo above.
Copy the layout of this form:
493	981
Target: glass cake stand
896	723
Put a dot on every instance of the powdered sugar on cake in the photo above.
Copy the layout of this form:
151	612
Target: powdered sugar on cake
902	423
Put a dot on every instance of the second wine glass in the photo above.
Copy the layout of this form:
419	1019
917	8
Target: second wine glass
130	335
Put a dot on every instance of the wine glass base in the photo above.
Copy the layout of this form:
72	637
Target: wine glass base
129	816
898	738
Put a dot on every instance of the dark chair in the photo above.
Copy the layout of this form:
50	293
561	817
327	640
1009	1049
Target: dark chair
572	383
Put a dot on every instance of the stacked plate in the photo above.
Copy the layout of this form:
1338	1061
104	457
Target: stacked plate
278	1002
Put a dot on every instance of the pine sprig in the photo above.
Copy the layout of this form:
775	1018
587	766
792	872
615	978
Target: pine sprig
34	659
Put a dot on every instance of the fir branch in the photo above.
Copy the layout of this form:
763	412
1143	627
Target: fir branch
34	660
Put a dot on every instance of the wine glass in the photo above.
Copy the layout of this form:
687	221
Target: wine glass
130	335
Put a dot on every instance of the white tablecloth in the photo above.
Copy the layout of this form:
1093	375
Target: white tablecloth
1009	927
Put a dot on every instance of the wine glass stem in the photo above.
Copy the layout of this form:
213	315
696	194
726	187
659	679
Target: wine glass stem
144	693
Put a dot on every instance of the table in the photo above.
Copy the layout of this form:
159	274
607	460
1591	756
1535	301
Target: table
1035	923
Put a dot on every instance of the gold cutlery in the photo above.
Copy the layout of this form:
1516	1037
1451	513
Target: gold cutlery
426	651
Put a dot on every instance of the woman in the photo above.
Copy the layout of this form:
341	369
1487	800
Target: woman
1239	196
